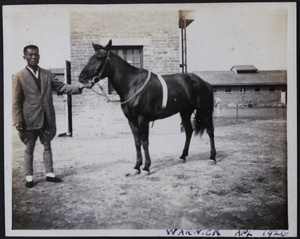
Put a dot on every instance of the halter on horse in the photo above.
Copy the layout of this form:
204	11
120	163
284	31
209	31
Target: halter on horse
141	98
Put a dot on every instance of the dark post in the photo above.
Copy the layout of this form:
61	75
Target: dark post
69	100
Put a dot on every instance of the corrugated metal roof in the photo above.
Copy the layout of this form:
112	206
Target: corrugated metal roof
230	78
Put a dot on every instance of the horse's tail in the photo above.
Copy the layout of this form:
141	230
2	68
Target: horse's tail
198	123
203	118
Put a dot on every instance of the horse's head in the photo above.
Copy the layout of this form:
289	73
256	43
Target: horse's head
98	66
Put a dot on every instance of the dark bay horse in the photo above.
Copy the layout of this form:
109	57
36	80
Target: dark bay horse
141	95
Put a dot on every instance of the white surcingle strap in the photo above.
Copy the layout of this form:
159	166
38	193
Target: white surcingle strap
164	91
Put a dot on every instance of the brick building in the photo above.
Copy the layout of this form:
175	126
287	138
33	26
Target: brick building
148	39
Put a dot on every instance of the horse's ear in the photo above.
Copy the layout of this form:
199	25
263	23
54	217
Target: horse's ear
108	46
95	46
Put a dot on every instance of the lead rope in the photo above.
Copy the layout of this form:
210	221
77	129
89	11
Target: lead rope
109	100
123	102
139	90
103	93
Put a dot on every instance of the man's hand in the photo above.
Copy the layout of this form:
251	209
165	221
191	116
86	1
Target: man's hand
89	85
20	126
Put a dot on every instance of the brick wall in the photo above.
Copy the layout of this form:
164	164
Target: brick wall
156	31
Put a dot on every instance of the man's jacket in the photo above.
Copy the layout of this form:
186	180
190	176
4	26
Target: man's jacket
30	104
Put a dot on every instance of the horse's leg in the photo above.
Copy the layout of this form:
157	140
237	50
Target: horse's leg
208	121
137	140
144	132
186	121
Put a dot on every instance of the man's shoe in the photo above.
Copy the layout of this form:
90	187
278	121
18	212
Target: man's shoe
29	184
54	179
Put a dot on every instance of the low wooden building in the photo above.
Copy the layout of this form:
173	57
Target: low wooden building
246	85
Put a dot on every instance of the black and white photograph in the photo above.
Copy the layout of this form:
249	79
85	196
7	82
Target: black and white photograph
150	119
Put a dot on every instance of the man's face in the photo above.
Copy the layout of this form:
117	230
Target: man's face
32	57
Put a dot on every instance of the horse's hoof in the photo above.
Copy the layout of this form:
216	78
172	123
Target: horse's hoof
212	162
181	160
133	173
145	172
136	172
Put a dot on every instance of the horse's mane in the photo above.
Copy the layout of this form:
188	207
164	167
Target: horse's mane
124	62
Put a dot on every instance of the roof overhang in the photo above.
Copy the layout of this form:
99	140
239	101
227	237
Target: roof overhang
230	78
186	16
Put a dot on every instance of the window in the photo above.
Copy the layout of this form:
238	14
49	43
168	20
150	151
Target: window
257	89
271	89
132	54
215	89
228	89
243	89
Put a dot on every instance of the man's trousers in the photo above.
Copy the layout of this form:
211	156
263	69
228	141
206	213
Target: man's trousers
29	138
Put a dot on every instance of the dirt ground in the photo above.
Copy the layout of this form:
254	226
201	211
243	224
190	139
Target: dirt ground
246	189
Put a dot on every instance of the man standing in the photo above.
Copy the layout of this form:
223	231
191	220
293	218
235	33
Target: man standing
33	110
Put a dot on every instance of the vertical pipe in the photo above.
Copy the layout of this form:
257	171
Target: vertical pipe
185	54
183	44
